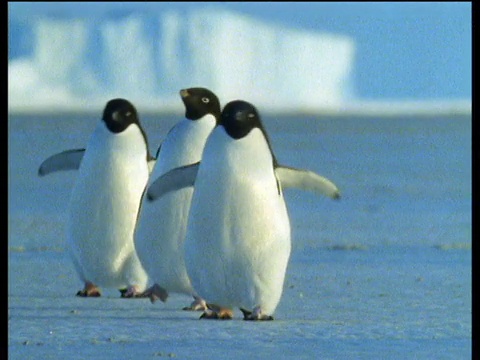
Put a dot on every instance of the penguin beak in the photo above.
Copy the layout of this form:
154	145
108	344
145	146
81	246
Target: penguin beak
184	93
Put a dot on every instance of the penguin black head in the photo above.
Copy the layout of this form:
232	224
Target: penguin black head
200	102
119	114
239	118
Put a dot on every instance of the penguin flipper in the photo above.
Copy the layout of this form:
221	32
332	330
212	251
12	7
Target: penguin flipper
306	180
66	160
175	179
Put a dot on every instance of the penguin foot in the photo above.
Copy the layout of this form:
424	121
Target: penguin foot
156	292
256	314
131	292
197	305
215	312
89	290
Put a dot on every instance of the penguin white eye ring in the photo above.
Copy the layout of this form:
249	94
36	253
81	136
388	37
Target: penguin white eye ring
128	114
205	100
251	115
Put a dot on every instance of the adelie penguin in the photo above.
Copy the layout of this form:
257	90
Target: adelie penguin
237	244
104	204
161	226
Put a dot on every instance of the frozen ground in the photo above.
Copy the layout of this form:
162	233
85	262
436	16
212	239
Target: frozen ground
397	303
383	274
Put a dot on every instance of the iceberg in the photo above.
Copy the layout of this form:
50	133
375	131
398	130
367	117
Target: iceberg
80	63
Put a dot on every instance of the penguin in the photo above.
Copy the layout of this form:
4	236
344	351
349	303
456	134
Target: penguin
113	171
238	238
161	226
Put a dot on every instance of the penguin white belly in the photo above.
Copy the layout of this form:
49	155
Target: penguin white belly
160	233
238	236
104	206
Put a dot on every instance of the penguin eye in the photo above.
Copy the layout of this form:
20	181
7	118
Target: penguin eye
128	113
205	100
251	115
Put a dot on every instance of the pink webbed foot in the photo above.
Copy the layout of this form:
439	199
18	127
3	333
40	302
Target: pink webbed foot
156	292
256	314
89	290
217	312
132	292
197	305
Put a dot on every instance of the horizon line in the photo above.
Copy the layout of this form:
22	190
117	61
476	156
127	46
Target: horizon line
355	107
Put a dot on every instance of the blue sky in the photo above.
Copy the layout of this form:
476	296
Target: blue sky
404	50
